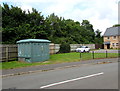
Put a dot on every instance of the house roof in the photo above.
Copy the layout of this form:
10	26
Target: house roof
112	31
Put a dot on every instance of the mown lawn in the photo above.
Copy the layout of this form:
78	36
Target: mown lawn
58	58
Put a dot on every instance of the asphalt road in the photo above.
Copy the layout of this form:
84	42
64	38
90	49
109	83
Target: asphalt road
100	76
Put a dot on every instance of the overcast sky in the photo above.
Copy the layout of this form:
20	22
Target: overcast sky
102	14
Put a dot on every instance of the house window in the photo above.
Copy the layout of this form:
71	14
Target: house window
117	44
108	37
113	44
114	37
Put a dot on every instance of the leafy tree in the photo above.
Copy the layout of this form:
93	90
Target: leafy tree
88	31
116	25
18	24
64	48
98	37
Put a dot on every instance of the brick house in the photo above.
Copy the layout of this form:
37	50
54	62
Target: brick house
112	38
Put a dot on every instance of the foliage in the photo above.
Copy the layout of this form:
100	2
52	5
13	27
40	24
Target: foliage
64	48
116	25
98	38
18	24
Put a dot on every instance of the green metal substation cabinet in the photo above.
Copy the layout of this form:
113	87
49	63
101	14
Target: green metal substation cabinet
33	50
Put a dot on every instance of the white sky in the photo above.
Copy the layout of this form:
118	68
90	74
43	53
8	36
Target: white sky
101	13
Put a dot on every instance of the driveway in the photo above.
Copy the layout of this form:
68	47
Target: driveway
108	51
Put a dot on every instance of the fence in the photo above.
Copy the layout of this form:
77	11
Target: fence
100	54
93	54
54	48
10	52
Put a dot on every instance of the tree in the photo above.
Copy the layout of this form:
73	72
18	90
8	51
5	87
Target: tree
98	37
116	25
98	33
64	48
12	17
88	31
17	25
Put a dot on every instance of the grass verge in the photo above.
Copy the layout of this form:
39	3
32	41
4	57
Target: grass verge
58	58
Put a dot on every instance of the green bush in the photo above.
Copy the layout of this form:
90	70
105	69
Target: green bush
64	48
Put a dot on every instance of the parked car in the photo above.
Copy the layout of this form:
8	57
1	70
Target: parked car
83	49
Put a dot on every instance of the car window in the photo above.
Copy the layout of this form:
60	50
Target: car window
82	46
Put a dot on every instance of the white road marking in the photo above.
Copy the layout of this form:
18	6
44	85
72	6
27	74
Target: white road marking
72	80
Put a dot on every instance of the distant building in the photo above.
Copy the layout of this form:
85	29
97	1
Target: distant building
112	38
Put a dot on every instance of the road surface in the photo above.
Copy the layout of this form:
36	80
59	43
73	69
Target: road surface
100	76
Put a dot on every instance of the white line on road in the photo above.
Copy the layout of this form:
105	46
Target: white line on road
72	80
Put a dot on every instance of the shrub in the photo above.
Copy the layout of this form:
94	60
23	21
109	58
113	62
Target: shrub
111	48
64	48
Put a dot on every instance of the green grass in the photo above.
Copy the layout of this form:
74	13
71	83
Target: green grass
57	58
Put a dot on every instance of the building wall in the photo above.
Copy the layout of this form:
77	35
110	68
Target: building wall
114	42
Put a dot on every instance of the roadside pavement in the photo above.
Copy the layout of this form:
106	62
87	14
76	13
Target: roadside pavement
33	69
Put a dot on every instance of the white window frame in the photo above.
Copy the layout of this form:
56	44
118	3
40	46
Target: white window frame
113	44
114	37
108	38
117	44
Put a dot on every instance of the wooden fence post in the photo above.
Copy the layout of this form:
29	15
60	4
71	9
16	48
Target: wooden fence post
7	53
